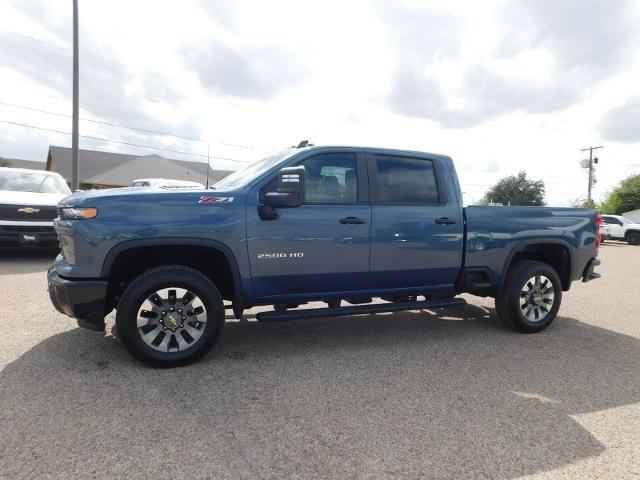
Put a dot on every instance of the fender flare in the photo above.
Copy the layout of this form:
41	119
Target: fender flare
238	298
521	245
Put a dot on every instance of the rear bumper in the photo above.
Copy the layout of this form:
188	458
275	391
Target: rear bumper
588	273
28	236
82	299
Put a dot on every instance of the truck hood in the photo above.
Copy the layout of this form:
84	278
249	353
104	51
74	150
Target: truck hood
94	198
8	197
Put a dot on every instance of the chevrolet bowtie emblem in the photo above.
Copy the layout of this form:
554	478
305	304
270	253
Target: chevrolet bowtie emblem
29	210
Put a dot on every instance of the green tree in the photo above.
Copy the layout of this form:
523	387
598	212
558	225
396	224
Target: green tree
516	190
624	197
582	203
4	162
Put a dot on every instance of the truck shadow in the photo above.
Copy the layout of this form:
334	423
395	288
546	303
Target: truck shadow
405	394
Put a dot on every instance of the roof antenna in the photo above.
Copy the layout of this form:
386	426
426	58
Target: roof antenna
208	165
304	143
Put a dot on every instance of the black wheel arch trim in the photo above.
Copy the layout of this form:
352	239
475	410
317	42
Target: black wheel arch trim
238	298
521	245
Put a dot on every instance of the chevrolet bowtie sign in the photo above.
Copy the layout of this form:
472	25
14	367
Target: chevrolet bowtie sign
29	210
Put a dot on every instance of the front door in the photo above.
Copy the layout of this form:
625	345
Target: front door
614	227
416	230
323	245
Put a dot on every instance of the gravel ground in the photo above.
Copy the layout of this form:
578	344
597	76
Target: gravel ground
393	395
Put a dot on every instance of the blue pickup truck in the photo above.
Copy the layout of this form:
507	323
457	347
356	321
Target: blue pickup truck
338	225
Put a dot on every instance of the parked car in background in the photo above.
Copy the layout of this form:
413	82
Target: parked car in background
28	205
165	183
618	227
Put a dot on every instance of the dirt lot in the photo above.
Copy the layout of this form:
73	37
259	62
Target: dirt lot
395	395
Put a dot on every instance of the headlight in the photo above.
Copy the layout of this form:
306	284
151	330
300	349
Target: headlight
71	213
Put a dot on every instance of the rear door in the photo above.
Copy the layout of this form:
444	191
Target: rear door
416	227
322	245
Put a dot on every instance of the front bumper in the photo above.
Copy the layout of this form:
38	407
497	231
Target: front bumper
28	236
588	273
82	299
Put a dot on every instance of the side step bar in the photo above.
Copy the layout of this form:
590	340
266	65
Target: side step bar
356	310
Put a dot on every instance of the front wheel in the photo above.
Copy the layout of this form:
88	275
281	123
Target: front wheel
633	238
170	316
530	297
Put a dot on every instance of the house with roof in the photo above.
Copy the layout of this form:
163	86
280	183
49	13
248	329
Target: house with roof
28	164
100	169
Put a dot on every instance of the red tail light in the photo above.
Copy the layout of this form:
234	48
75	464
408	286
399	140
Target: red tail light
599	235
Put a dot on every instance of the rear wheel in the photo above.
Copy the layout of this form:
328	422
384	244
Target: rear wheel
170	316
633	238
530	297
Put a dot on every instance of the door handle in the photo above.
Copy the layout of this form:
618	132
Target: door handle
352	220
445	221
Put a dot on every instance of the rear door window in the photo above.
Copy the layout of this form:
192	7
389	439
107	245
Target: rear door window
406	181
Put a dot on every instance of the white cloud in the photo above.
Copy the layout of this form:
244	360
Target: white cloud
622	123
244	70
500	86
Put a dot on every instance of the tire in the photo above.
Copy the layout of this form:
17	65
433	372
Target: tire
633	238
184	336
523	303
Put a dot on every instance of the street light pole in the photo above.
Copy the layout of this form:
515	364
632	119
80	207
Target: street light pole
75	144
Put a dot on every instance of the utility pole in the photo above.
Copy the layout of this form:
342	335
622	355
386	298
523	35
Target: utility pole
590	167
75	144
208	164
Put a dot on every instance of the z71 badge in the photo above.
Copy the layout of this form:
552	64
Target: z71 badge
211	199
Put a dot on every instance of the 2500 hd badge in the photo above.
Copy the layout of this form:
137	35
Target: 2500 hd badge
281	255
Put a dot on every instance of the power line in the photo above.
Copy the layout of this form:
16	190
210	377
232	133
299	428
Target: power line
124	75
122	125
84	52
65	58
56	56
35	127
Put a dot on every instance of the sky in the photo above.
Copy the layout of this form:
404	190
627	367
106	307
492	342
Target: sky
500	86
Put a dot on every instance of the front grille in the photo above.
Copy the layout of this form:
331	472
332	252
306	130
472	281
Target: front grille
38	213
27	229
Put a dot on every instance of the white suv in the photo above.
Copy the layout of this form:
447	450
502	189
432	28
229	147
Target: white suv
620	228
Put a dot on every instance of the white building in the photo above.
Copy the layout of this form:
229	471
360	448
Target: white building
633	215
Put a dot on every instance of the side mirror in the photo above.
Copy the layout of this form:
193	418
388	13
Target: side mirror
290	191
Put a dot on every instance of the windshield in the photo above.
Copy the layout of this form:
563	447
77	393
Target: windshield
625	220
240	178
32	182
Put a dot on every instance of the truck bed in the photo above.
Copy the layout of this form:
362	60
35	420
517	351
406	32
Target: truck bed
495	234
